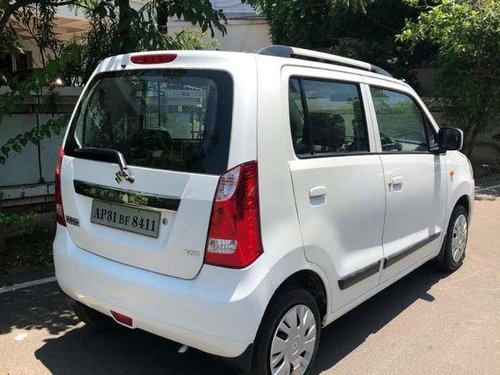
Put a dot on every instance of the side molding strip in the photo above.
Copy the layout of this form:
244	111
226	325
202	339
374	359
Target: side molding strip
356	277
114	195
390	260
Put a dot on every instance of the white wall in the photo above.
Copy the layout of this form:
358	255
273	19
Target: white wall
242	35
23	168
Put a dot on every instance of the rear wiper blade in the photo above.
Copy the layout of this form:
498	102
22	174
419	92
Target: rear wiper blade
107	154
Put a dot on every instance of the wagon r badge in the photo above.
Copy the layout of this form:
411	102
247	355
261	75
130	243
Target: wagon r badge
122	175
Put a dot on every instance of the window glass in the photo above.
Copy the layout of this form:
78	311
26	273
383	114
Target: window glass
167	119
401	123
326	117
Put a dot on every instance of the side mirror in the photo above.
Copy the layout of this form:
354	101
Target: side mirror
450	139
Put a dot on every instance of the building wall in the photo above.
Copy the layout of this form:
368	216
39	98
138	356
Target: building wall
246	35
28	177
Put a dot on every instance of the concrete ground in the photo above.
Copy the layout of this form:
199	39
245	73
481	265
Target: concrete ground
427	323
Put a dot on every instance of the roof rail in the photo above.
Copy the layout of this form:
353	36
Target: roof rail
305	54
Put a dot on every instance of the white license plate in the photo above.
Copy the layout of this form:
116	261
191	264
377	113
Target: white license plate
127	218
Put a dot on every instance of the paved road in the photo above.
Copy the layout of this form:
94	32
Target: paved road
427	323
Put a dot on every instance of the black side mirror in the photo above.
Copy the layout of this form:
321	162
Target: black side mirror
450	139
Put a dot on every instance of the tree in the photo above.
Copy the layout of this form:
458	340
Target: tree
467	36
309	24
115	28
362	29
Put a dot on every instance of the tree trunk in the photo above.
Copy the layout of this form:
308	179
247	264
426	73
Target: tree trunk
124	19
469	125
162	17
473	139
5	18
3	243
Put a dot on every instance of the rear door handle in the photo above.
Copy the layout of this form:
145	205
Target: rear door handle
317	191
398	180
396	184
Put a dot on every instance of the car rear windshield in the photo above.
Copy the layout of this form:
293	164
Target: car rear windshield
169	119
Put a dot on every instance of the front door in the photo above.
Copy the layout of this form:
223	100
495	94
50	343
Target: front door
415	181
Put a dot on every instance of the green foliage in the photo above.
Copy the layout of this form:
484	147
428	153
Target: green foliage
466	34
114	32
384	53
309	24
8	220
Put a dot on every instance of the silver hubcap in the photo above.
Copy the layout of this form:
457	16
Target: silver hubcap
293	342
459	239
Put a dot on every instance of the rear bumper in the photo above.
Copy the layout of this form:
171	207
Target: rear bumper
218	312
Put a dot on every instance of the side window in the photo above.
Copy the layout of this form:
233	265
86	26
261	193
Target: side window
401	123
326	117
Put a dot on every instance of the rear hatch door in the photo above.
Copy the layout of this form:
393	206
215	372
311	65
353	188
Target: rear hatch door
172	127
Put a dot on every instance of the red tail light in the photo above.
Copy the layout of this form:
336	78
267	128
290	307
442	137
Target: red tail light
234	233
58	196
160	58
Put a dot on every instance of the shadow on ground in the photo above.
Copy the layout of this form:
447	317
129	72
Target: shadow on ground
78	350
122	351
41	307
345	334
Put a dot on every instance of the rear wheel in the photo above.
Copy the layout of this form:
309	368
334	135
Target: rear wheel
289	337
453	252
94	319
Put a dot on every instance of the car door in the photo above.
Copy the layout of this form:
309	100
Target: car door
338	184
415	179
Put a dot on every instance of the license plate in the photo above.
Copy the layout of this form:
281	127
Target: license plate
127	218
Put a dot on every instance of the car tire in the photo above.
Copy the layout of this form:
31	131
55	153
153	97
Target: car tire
452	253
291	329
94	319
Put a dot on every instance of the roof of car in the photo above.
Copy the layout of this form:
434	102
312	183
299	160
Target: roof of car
283	53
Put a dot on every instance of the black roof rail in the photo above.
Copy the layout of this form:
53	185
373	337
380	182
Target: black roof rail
305	54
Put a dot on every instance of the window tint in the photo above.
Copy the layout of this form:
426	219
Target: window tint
167	119
401	123
326	117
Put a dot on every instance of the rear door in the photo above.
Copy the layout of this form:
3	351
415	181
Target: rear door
415	179
173	127
338	183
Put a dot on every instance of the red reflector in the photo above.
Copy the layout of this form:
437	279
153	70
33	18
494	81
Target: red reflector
120	318
153	59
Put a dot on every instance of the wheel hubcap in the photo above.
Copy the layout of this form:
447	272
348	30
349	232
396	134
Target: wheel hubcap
459	239
293	342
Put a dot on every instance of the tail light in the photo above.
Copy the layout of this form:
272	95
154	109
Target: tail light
234	238
58	196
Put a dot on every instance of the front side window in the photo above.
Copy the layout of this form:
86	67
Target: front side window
326	118
402	125
173	119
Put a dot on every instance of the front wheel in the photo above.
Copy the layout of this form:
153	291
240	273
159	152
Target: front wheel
453	252
289	337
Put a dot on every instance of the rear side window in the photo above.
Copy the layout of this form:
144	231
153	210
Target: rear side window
167	119
402	125
326	118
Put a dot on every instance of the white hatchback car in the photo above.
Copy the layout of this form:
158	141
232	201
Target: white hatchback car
237	203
